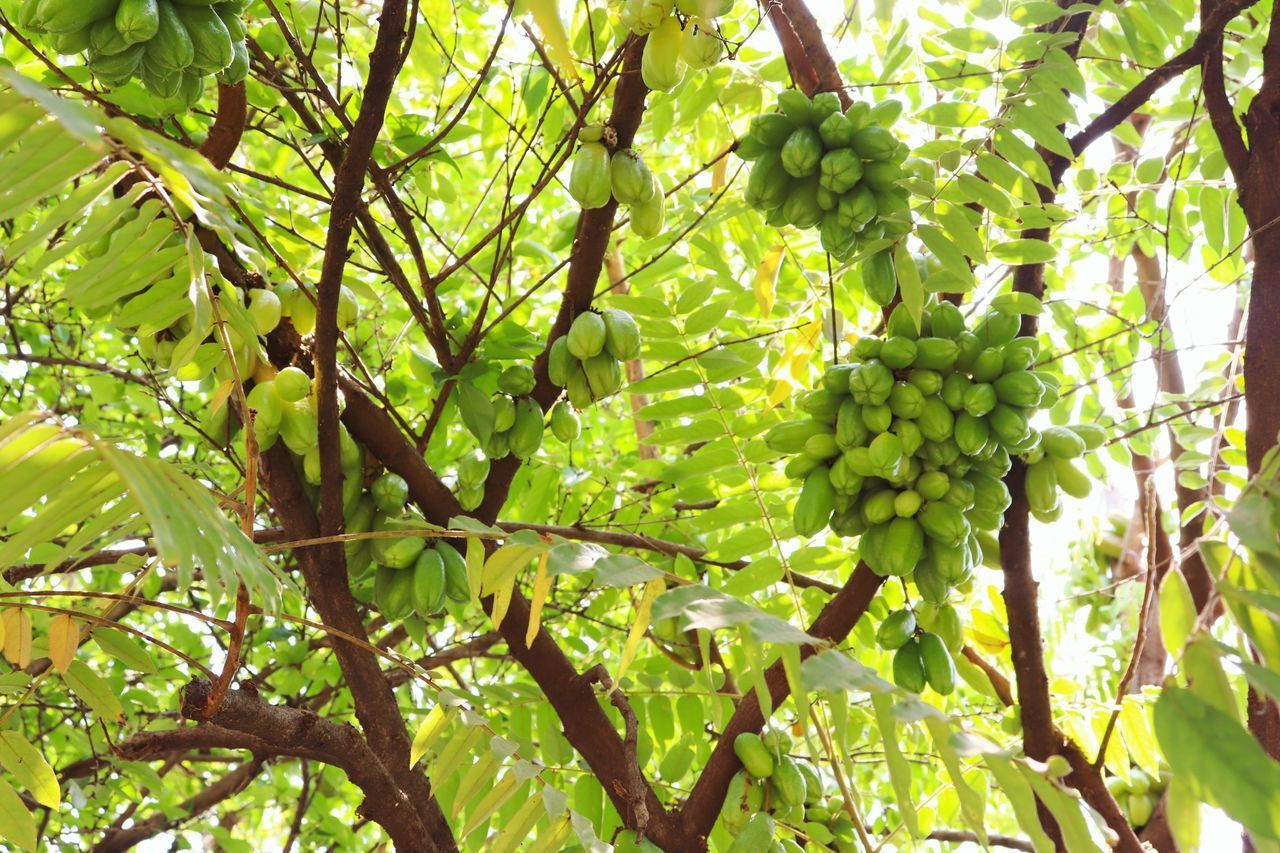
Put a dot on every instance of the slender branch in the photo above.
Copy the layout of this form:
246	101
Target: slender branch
961	836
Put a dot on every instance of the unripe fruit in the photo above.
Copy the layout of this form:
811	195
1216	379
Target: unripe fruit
753	754
265	310
586	336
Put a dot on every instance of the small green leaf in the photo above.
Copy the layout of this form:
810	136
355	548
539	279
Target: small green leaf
1177	611
16	823
1024	251
910	288
94	692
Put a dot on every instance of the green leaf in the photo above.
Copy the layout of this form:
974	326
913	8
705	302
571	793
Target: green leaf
17	825
953	114
698	606
94	692
1202	743
972	803
29	767
1177	611
125	649
910	288
899	769
1024	251
1018	303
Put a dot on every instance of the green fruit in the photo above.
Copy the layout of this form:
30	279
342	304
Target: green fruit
428	583
292	384
564	422
822	404
953	390
210	38
971	433
908	667
979	399
755	836
822	446
754	755
622	335
106	40
905	400
788	782
589	177
878	508
988	365
504	413
798	107
812	782
939	668
857	208
1071	479
944	523
802	207
989	493
1020	354
896	630
871	383
840	170
647	217
64	16
238	70
604	375
898	352
560	361
1062	442
1018	389
1141	807
661	65
907	503
1042	486
878	418
874	143
929	580
517	380
398	596
265	310
299	427
946	320
397	552
933	485
928	381
171	48
768	184
997	328
526	434
390	492
455	571
903	547
837	133
882	176
802	152
790	437
629	177
1008	423
702	47
935	420
851	431
119	65
936	353
772	129
587	335
947	625
1093	435
473	469
816	502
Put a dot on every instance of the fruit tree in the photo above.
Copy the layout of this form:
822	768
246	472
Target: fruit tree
645	425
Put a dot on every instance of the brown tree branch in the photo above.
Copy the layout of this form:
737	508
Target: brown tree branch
228	125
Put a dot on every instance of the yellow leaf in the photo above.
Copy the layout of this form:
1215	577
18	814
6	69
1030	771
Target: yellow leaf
64	638
503	564
29	767
553	839
541	589
428	733
651	591
515	834
779	393
220	395
501	601
802	349
17	636
719	173
767	278
490	802
482	773
546	14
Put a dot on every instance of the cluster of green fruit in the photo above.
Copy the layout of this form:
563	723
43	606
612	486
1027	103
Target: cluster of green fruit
923	640
172	46
682	35
774	789
906	447
816	166
400	575
587	361
517	418
596	176
1138	793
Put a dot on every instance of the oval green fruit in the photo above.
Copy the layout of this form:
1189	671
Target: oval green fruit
896	630
564	422
802	152
455	571
526	434
629	177
908	667
428	583
939	668
816	502
754	755
622	335
587	335
589	176
517	380
560	362
647	217
390	492
661	65
756	836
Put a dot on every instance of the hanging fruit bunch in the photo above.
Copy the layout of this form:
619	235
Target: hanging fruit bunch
682	35
774	791
906	446
596	177
588	361
172	47
818	167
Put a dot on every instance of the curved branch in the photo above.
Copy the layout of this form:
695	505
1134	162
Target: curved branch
228	126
